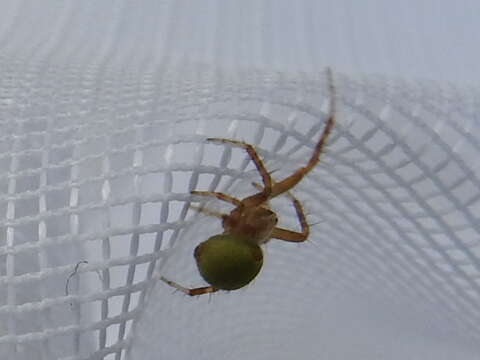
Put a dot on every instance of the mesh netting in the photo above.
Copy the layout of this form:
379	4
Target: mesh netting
96	174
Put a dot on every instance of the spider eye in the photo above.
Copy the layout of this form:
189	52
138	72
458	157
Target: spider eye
267	213
271	215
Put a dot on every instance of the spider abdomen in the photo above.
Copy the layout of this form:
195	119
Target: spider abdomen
228	261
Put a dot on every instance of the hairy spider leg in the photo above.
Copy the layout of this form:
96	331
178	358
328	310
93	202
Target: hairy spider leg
191	292
266	178
292	180
294	236
219	196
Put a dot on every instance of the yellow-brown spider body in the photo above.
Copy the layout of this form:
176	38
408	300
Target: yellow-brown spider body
233	259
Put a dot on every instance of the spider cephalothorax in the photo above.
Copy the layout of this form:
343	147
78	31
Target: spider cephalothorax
233	259
255	223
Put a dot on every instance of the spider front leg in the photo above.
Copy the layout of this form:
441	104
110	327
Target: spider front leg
292	180
294	236
191	292
266	178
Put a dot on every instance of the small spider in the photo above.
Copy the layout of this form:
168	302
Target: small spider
231	260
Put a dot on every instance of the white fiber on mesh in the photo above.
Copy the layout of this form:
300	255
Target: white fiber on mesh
100	168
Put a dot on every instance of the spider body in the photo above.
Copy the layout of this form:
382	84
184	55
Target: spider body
252	224
233	259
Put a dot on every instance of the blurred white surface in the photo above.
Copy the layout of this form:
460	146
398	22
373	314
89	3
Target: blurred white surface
431	39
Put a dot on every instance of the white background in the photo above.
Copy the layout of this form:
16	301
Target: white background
433	39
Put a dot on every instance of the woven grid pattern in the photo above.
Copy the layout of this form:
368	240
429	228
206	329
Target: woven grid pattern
99	169
397	198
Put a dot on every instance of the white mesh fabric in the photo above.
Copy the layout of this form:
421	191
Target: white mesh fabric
391	270
99	169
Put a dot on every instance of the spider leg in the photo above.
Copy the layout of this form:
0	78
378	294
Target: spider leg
191	292
294	236
288	235
218	195
292	180
266	178
208	211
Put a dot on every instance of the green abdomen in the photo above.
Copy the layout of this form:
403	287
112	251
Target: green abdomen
228	262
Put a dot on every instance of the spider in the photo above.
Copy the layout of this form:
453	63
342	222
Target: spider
231	260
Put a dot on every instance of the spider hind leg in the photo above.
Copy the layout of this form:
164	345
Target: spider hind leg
190	292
